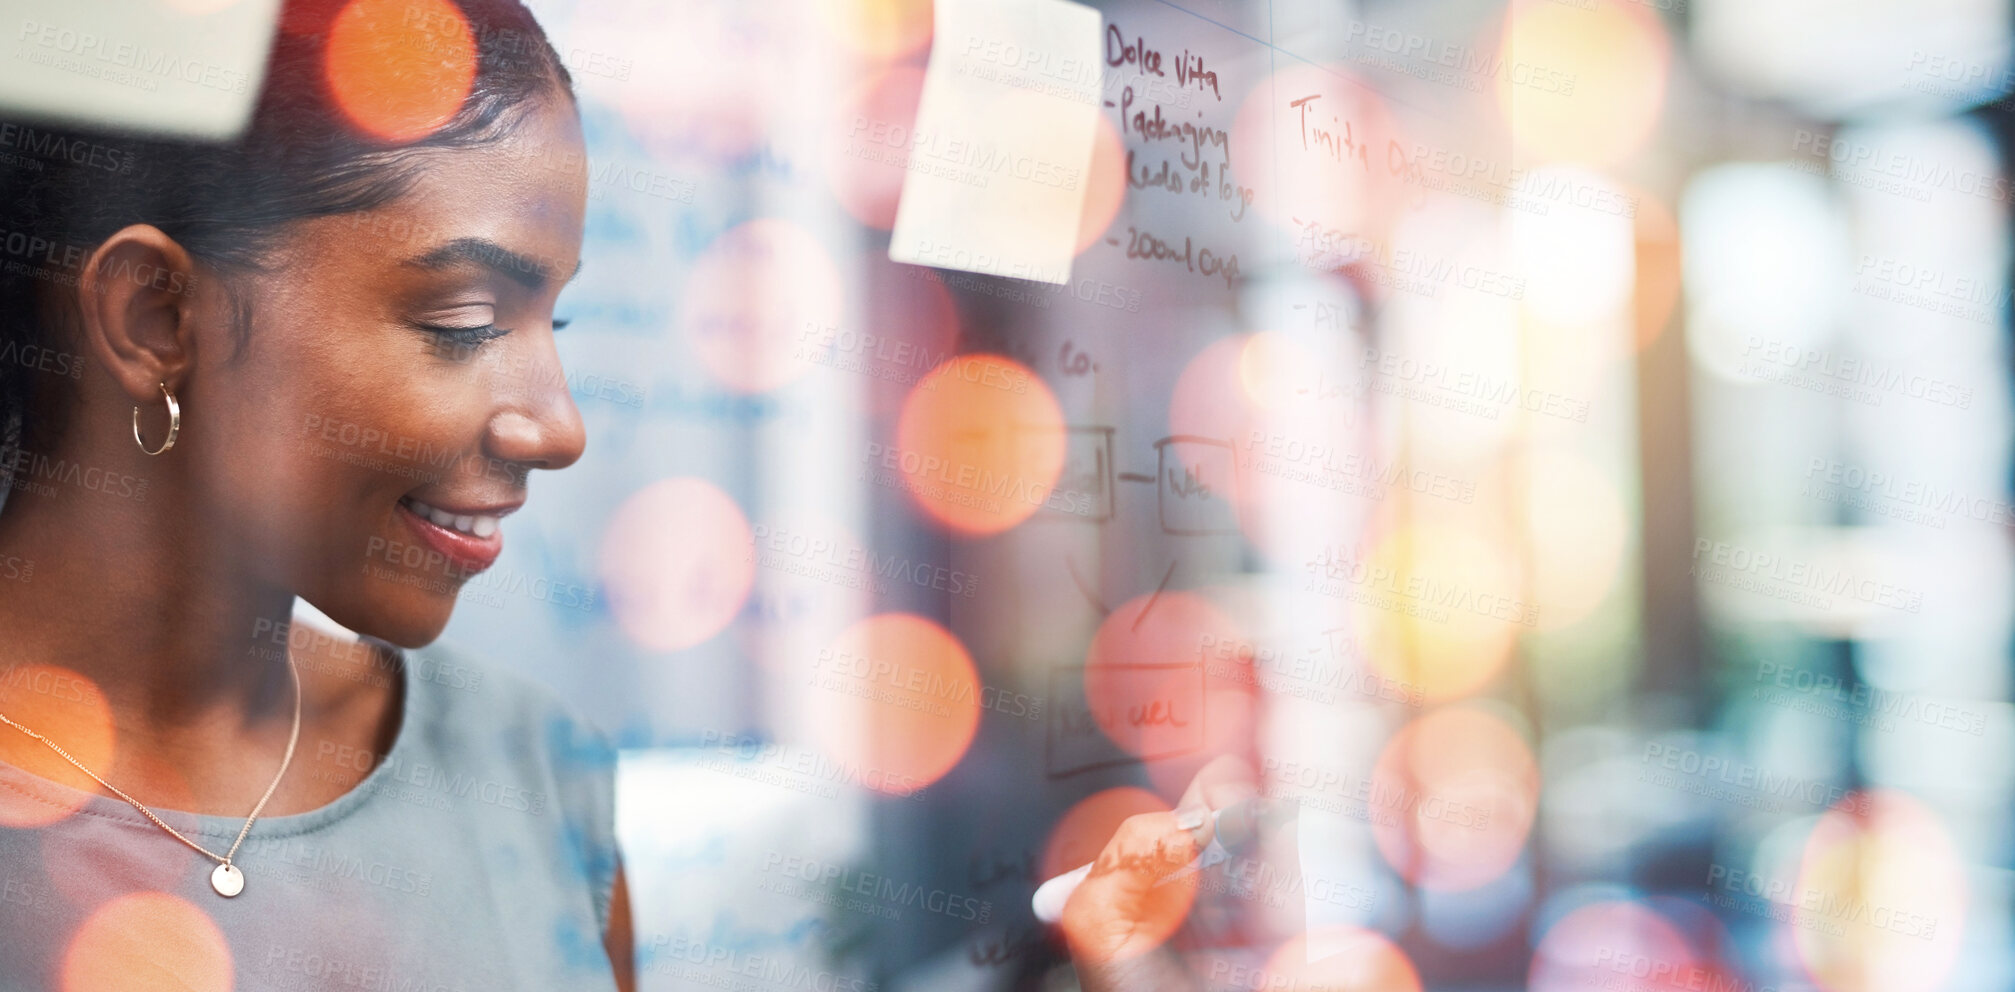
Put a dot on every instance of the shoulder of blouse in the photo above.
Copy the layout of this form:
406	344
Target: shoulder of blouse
473	711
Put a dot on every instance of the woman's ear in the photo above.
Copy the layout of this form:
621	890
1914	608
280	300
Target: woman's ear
136	304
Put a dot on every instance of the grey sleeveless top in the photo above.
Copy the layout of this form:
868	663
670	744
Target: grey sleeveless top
479	854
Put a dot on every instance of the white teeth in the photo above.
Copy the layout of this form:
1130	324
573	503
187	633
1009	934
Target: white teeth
467	523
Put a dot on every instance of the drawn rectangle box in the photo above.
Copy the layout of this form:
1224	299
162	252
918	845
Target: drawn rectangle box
1075	743
1196	483
1086	482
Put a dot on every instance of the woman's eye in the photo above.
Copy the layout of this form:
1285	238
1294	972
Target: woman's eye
465	337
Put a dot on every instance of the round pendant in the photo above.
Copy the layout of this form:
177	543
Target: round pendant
227	880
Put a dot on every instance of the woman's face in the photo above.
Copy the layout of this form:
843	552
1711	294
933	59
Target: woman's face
399	383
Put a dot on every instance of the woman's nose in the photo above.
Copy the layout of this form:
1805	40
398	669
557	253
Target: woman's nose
542	427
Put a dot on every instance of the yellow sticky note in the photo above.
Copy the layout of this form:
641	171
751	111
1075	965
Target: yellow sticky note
1001	152
191	68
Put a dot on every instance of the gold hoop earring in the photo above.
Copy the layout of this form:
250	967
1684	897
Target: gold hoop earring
174	424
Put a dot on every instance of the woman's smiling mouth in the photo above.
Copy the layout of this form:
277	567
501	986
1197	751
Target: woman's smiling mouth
470	538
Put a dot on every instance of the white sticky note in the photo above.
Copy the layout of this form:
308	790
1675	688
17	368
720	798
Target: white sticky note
1001	152
191	68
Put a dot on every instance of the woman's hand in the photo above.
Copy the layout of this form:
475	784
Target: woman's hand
621	941
1119	921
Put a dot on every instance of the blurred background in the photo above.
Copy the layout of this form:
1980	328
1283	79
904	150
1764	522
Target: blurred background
1561	445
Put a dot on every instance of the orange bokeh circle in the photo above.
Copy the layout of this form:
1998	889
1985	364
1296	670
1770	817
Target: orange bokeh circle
71	711
147	941
1582	85
1207	402
400	69
1442	605
915	699
1882	896
1316	145
980	445
1084	829
1453	797
676	561
1144	675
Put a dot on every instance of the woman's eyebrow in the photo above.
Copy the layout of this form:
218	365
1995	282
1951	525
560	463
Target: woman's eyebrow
520	269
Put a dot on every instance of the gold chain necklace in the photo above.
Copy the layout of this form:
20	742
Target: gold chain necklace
227	879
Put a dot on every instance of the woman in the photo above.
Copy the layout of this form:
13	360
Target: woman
313	363
316	363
